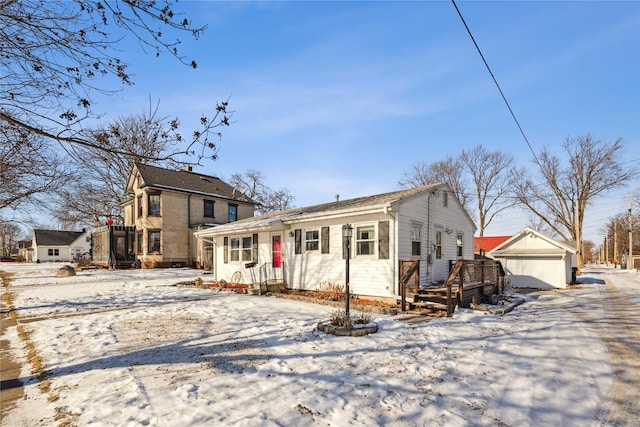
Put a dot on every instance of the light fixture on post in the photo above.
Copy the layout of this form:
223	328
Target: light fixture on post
347	233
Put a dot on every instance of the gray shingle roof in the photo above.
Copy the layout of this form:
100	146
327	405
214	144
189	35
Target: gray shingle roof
187	181
378	199
55	237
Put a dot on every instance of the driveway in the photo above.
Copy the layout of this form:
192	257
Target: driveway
618	326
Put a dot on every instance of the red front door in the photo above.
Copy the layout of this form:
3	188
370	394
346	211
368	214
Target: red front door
276	252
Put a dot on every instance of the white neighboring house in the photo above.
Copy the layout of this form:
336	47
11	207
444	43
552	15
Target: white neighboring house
533	260
54	245
304	246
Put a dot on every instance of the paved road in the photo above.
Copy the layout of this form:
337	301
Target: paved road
618	325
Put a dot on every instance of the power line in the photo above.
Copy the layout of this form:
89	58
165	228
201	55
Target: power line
504	98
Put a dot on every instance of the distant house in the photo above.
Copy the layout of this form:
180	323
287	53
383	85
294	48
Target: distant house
482	245
24	251
425	227
162	209
54	245
533	260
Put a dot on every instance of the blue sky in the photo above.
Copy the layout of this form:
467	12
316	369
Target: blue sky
343	97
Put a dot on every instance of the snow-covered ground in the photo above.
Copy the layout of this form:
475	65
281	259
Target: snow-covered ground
131	348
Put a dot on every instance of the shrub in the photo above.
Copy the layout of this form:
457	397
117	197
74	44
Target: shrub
331	291
361	318
83	262
340	319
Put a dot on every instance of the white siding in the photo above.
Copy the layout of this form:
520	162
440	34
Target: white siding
369	275
442	218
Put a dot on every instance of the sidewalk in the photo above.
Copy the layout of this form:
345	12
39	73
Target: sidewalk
11	388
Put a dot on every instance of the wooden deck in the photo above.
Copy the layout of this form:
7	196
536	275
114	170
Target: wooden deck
468	280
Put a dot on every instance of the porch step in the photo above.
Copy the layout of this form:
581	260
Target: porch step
428	305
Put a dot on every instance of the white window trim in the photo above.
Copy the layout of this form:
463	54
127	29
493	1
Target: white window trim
241	251
315	240
372	240
418	226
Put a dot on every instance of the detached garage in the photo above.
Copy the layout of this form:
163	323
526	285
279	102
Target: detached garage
533	260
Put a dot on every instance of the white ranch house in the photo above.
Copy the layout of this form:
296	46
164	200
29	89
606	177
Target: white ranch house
56	245
304	246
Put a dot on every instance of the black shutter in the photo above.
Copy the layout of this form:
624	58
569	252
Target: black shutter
226	250
383	239
298	237
255	248
324	231
344	246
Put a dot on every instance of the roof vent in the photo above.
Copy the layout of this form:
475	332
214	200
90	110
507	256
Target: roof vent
337	197
188	169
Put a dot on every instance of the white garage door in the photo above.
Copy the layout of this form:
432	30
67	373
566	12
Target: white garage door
541	273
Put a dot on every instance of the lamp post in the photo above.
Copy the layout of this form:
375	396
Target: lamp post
347	232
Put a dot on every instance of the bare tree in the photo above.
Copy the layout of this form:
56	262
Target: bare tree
536	223
252	183
451	170
563	188
96	195
491	176
29	168
9	236
55	55
589	251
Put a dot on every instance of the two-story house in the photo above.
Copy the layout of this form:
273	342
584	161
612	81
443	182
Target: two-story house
162	208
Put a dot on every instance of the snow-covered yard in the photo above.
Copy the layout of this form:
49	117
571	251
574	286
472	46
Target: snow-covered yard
131	348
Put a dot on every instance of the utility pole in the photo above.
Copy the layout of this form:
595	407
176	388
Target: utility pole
630	260
615	243
578	243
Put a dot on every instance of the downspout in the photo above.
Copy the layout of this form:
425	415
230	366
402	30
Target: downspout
433	192
190	242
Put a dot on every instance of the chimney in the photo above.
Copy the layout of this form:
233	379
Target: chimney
337	197
188	168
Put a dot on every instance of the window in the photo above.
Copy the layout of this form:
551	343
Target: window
459	244
154	241
312	240
154	204
140	205
234	250
365	240
208	209
140	242
247	249
241	249
445	199
416	239
54	252
439	244
233	213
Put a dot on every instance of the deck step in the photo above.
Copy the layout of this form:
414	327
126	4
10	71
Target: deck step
430	304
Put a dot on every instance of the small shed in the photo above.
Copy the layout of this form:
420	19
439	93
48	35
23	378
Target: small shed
533	260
